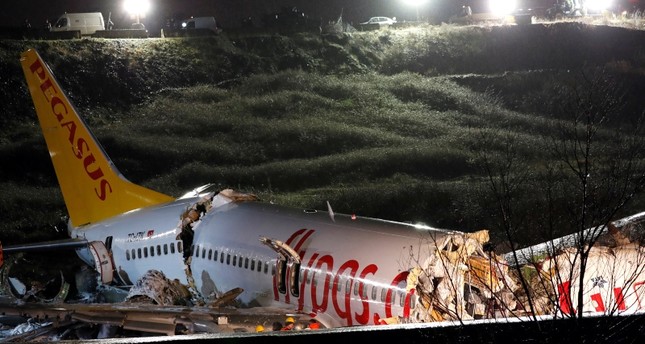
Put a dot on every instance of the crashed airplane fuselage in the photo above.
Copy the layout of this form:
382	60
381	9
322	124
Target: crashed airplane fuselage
611	280
343	270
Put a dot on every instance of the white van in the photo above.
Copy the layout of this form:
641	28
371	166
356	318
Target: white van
200	23
86	23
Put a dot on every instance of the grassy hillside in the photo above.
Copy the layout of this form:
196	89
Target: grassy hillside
390	124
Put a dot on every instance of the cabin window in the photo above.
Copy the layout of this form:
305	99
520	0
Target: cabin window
215	256
204	252
266	268
180	246
172	248
133	254
210	254
356	285
383	293
108	243
196	250
234	260
158	250
374	290
401	299
240	262
246	262
314	281
228	259
221	258
145	252
152	251
413	301
127	255
139	252
348	286
165	248
252	264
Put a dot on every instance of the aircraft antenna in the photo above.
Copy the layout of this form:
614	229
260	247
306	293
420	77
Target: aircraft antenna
331	212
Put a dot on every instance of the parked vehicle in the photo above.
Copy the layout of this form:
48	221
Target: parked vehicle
86	23
208	23
381	21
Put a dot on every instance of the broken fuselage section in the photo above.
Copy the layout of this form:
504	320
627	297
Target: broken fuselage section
600	271
344	270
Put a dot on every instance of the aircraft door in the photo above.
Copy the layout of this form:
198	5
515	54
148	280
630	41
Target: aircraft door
102	261
288	266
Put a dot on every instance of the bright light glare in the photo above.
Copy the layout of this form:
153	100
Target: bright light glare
502	7
598	5
415	3
136	6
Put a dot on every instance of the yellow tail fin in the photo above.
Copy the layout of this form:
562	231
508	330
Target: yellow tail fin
92	187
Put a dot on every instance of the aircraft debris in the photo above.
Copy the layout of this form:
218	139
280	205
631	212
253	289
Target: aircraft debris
613	275
402	273
460	280
26	331
92	321
54	290
154	286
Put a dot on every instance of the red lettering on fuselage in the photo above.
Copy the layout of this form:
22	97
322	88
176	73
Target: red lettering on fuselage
565	300
298	248
79	146
328	283
321	304
344	309
364	317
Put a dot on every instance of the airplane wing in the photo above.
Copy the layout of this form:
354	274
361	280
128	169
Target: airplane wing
46	245
71	243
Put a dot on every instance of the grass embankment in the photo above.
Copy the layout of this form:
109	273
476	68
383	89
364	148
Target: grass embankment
382	124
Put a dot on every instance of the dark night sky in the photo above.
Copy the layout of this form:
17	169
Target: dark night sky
229	13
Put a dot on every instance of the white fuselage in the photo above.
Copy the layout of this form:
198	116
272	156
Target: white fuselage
349	271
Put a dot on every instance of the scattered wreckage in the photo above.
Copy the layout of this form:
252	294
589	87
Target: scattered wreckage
613	277
461	281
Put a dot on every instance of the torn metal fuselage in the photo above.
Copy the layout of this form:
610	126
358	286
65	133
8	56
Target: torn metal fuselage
600	271
461	281
54	290
451	276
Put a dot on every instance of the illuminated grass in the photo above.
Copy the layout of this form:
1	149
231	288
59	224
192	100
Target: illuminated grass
380	123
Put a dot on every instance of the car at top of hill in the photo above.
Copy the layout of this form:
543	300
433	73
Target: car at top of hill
381	21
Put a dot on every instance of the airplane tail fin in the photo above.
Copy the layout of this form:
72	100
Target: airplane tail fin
92	187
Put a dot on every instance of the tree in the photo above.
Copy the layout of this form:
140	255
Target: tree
591	172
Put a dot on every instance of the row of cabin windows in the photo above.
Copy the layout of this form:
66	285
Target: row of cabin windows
143	252
250	264
260	266
235	260
346	287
